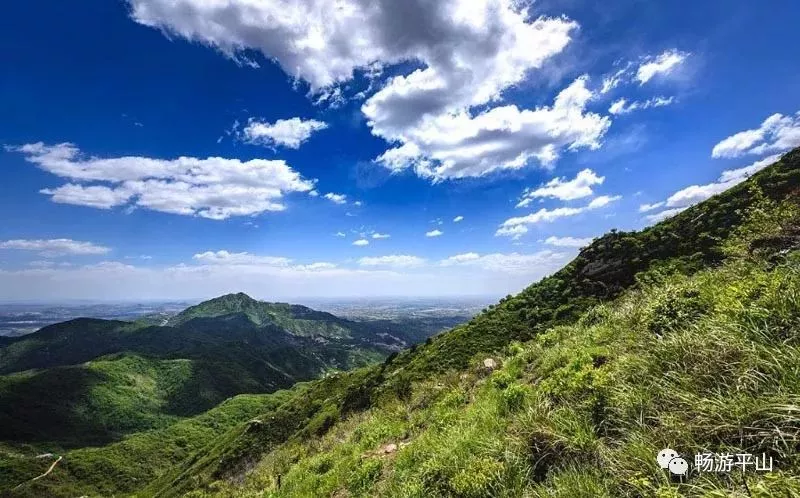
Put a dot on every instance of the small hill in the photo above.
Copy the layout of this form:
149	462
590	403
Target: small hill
89	381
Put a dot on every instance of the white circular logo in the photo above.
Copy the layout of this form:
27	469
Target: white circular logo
664	456
678	466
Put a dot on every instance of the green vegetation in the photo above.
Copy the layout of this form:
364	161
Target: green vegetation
91	382
92	403
705	362
682	335
138	458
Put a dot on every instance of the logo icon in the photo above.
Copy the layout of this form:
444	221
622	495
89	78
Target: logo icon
678	466
670	459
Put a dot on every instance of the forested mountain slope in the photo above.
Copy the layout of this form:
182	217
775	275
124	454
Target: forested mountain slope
88	381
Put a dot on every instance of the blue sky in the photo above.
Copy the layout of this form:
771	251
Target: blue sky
183	149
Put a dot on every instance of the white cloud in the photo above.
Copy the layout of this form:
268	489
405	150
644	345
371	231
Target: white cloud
747	171
358	203
55	247
434	233
340	234
336	198
568	241
660	65
644	208
506	263
460	144
458	219
695	194
778	133
563	189
361	242
319	266
460	259
663	215
612	81
603	201
285	132
377	235
394	260
517	226
256	262
240	258
214	188
622	106
465	54
513	231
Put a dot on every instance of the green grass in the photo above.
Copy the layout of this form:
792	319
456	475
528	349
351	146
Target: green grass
699	354
123	466
582	410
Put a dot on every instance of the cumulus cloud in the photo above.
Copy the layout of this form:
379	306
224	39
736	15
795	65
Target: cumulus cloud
622	106
340	234
460	144
695	194
336	198
518	226
434	233
460	259
377	235
463	55
256	262
747	171
458	219
214	188
394	260
778	133
563	189
240	258
506	263
663	215
568	241
361	242
284	132
55	247
644	208
660	65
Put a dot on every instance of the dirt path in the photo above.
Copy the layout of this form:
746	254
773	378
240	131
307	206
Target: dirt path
43	475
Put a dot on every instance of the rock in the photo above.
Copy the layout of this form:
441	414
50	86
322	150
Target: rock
489	364
389	449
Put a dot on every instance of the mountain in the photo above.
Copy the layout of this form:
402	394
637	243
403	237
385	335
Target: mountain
683	335
89	382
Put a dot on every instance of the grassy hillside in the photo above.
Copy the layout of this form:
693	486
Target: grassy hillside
683	334
700	364
691	242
